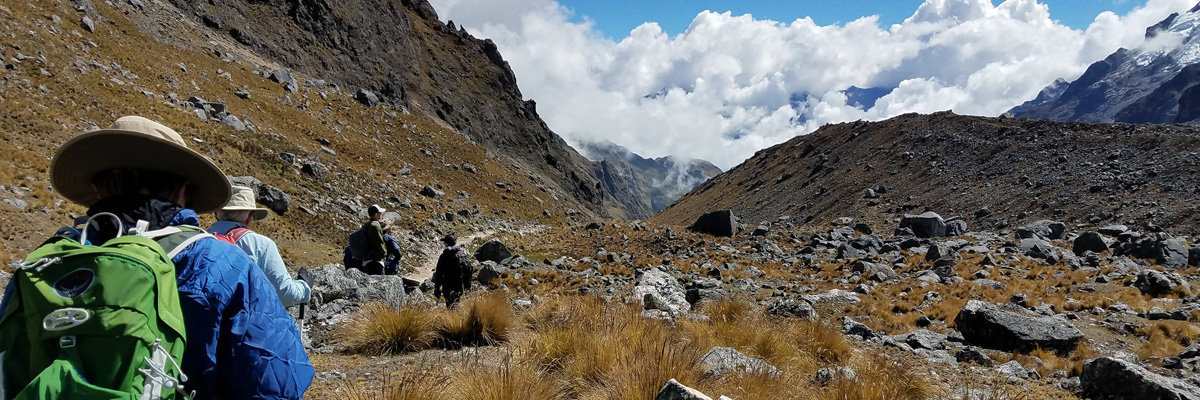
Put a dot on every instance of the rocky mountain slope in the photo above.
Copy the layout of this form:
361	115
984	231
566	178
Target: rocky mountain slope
645	185
400	51
321	147
1156	83
994	172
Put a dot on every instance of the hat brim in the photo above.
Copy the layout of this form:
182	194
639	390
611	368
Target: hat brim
79	159
259	212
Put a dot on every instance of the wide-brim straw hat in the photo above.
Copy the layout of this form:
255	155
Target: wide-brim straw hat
243	200
134	142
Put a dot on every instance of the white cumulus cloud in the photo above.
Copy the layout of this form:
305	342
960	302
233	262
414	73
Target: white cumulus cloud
731	84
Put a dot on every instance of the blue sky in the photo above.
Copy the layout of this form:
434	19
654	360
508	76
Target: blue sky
615	18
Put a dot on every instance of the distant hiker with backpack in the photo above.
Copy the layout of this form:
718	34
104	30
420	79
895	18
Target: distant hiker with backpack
145	305
452	276
391	263
233	224
367	249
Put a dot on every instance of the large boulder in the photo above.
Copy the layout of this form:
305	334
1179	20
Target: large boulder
726	360
1155	283
494	251
1173	253
792	308
488	272
956	227
1008	328
1090	241
333	282
1045	229
1114	379
926	225
274	199
659	291
1037	248
874	271
717	223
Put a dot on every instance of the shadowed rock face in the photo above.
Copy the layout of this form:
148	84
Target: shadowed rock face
1113	379
401	52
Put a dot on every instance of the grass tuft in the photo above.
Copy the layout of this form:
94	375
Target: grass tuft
379	329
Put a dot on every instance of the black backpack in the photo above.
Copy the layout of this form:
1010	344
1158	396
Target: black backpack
358	244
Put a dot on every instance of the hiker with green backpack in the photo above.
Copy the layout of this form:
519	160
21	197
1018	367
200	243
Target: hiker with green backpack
145	305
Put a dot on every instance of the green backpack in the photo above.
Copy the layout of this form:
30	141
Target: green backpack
96	322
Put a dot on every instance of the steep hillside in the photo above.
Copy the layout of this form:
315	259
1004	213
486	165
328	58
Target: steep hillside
993	172
402	52
1156	83
645	186
70	67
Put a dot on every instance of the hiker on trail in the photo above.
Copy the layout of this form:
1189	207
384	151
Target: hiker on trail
452	276
391	265
233	223
367	249
240	342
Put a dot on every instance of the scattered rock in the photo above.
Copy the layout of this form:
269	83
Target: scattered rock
725	360
274	199
974	355
429	191
1114	379
927	225
1010	328
1155	283
674	390
88	24
717	223
792	308
366	97
493	250
488	272
829	375
1090	241
659	291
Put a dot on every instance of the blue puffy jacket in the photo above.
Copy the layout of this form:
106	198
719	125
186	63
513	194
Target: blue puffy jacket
241	343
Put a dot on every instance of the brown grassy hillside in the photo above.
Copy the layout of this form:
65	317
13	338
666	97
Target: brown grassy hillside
994	172
61	80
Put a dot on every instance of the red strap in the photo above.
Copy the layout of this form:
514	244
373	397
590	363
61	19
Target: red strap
237	233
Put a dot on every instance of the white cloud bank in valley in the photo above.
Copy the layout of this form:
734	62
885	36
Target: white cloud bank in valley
731	85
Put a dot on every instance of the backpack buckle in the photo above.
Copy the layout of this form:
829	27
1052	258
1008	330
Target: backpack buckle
66	342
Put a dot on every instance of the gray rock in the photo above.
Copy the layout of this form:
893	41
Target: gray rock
923	339
1192	351
1113	230
88	24
1155	283
726	360
233	122
1194	256
956	227
1173	254
674	390
331	283
974	355
835	297
1090	241
874	271
1038	248
17	203
829	375
850	327
283	75
1114	379
314	169
926	225
1008	327
488	272
429	191
493	250
792	308
663	291
274	199
1045	229
366	97
717	223
1015	371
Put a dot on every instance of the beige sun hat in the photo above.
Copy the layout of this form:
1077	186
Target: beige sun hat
243	200
134	142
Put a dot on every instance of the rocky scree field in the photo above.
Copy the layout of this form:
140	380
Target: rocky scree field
787	310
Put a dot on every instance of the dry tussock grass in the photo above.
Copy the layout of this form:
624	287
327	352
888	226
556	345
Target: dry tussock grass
411	384
1166	338
512	379
478	320
379	329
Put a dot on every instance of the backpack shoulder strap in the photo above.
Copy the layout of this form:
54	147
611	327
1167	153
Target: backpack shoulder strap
237	233
174	239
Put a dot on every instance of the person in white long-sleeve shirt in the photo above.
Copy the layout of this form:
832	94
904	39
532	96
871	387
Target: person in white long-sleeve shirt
234	223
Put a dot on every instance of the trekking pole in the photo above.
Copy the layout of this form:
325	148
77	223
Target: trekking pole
307	278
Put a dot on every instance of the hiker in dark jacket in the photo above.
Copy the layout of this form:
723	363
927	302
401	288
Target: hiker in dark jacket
376	248
241	343
391	264
452	276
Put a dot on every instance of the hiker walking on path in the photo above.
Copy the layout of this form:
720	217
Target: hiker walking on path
233	223
452	276
240	342
367	250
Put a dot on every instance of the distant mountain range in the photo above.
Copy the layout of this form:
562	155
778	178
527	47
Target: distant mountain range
644	186
1159	82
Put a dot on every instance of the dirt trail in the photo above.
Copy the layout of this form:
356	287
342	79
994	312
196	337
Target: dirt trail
429	253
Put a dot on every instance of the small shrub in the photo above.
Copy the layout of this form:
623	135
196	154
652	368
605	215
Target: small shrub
478	320
378	329
510	380
1167	338
412	384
